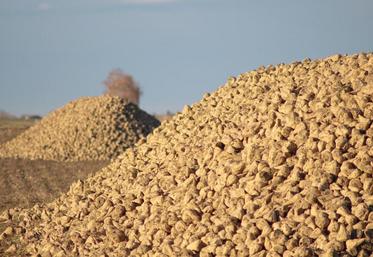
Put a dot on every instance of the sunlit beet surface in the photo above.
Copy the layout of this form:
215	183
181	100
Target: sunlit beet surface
277	162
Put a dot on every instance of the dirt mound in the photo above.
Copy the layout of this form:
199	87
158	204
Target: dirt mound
90	128
278	162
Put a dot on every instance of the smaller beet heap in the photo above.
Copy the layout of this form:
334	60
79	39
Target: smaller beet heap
89	128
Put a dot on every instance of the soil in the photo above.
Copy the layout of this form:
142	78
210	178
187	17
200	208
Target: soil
45	179
8	133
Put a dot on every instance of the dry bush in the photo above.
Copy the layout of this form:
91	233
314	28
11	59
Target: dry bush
123	85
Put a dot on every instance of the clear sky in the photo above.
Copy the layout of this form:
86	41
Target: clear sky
53	51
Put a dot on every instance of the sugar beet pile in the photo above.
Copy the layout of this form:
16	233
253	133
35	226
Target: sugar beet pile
90	128
278	162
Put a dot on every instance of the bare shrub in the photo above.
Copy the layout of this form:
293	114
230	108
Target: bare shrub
123	85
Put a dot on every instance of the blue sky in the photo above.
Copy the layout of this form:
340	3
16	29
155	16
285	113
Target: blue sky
54	51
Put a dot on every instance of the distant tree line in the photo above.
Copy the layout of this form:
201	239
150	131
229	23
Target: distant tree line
5	115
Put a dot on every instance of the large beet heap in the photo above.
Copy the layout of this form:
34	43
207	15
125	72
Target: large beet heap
90	128
278	162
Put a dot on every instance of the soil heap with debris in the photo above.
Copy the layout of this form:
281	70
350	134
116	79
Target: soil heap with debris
278	162
90	128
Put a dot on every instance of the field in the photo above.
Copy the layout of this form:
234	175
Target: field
45	179
10	128
277	162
